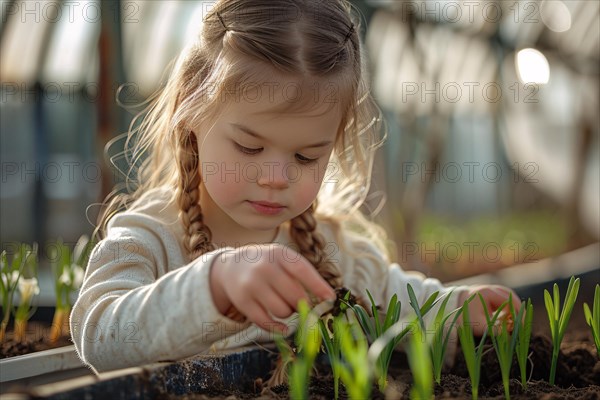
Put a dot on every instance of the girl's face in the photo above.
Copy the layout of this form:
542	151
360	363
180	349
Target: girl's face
261	168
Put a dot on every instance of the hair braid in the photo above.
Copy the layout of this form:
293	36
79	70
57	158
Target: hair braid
312	246
198	237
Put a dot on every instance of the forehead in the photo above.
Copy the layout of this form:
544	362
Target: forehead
302	110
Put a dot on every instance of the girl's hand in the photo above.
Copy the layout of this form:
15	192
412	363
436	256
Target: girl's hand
262	281
494	296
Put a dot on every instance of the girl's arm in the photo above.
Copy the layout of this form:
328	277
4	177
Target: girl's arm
134	307
365	267
370	270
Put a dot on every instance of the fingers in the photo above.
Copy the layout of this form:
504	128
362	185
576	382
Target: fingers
271	287
305	273
271	300
494	298
516	301
261	318
291	292
495	295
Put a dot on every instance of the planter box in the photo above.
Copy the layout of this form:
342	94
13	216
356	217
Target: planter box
40	368
235	371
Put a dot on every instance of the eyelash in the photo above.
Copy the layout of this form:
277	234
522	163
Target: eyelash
247	150
301	159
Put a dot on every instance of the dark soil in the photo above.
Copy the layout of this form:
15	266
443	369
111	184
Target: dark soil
577	377
577	374
36	340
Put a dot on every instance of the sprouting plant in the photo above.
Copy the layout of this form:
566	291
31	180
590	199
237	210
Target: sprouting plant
333	350
593	317
472	354
355	373
374	328
439	343
8	284
420	365
503	340
68	269
386	342
28	288
524	326
559	318
286	357
24	262
308	342
332	342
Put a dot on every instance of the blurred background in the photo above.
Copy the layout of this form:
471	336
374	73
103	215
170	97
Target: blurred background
492	156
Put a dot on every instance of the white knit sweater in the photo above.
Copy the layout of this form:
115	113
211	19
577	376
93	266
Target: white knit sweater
142	301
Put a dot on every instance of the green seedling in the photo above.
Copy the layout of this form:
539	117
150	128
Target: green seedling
439	343
332	343
374	329
389	338
68	269
308	342
472	354
355	373
10	274
12	277
503	340
334	351
524	326
420	365
559	318
593	317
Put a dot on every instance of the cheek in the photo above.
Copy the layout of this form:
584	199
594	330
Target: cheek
221	175
306	198
224	182
307	188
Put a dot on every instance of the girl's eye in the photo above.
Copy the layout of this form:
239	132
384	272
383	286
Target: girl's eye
247	150
305	160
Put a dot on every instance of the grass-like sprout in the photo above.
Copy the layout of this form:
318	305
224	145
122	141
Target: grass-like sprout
593	317
332	343
68	268
9	278
355	373
472	354
384	345
21	274
308	342
420	365
439	343
299	361
334	352
504	342
524	325
374	329
559	318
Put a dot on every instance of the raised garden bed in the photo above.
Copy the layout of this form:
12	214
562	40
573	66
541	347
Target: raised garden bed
233	372
240	374
36	340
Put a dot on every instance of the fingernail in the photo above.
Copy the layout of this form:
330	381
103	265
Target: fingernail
282	329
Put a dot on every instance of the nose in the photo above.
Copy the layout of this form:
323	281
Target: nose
274	175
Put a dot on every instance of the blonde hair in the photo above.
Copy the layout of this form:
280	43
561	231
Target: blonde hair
243	42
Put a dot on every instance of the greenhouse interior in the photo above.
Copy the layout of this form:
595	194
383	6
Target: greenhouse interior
485	174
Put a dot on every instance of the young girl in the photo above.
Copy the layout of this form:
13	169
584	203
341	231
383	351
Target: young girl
265	113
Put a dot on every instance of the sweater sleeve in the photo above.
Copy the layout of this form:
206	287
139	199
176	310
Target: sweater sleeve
133	310
423	288
370	270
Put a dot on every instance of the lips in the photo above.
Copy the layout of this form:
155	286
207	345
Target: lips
266	207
